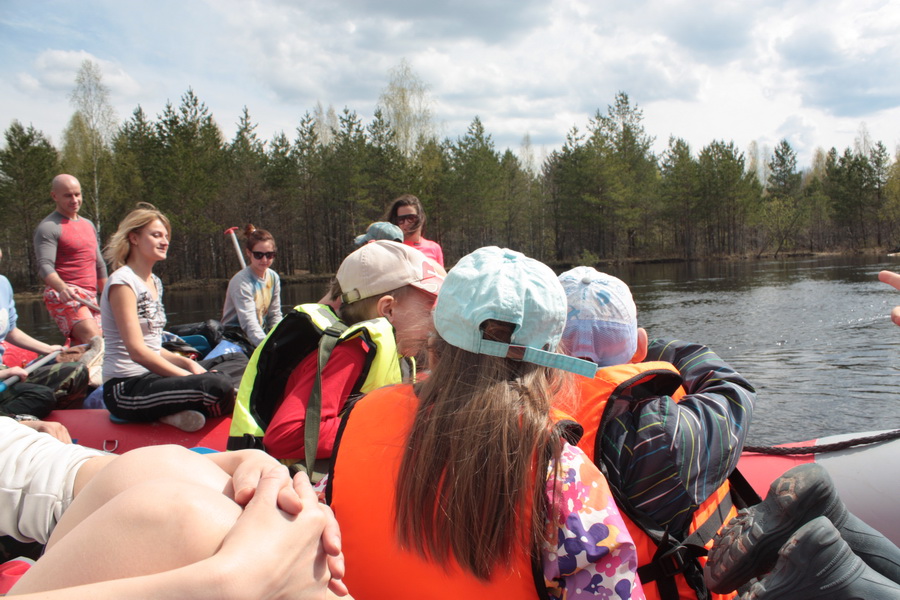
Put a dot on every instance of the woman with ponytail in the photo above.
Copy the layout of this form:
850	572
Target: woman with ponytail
462	486
253	301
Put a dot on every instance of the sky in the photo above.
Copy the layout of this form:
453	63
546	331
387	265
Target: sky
813	72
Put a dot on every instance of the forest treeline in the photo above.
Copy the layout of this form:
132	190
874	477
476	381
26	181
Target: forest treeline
604	195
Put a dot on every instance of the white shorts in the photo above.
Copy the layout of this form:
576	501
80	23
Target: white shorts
37	479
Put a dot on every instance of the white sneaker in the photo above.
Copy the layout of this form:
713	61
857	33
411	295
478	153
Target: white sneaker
186	420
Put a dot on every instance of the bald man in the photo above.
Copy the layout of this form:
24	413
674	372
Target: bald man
70	263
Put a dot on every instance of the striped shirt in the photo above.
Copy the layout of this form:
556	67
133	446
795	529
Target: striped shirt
665	457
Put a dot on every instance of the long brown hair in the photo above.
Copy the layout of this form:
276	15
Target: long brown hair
476	458
405	200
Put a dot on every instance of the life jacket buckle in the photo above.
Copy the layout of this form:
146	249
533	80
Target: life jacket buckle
335	330
672	562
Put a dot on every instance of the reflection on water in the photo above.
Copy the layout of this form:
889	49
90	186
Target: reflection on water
813	335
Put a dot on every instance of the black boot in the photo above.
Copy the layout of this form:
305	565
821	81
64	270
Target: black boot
747	546
817	564
870	545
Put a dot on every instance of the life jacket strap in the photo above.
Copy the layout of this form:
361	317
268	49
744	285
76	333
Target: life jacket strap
327	343
246	441
672	558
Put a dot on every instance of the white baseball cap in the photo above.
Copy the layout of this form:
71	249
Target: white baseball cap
381	266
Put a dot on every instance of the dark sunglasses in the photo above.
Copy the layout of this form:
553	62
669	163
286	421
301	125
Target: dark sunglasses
413	219
262	255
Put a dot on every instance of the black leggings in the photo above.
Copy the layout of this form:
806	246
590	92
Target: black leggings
150	397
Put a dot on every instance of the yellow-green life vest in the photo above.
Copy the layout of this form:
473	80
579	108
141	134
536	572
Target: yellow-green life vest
296	335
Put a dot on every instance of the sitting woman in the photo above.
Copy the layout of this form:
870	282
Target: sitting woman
462	482
142	381
253	301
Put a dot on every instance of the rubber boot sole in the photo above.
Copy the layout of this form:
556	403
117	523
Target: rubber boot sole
748	545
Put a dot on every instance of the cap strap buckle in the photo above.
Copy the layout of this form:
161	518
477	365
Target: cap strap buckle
516	352
351	296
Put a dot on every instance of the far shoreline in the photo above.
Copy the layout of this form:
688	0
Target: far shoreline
558	266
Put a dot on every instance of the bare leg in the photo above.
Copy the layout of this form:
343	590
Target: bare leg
151	527
83	331
103	479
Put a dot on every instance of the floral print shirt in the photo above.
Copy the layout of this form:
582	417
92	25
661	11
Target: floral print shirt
593	555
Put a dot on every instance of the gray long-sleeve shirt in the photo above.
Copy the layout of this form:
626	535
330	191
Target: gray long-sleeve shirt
253	304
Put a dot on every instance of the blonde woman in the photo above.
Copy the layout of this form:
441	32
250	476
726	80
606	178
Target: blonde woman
142	381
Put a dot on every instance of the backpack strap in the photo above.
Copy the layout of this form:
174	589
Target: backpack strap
327	343
672	557
742	492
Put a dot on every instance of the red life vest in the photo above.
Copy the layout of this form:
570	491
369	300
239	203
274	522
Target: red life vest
658	378
361	490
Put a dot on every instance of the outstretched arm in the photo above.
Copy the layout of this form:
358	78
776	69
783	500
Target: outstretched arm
892	279
23	340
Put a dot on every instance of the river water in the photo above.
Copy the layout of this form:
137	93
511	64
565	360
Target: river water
812	335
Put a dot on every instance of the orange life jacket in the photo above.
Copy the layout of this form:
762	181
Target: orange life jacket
361	491
662	577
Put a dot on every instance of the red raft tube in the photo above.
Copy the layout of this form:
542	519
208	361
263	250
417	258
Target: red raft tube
93	428
865	466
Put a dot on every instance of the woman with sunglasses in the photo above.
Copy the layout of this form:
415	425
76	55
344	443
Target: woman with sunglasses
406	212
142	381
253	301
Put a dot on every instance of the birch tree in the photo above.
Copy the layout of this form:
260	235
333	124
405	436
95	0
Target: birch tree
406	106
90	99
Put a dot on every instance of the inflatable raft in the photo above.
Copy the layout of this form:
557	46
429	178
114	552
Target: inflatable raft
867	475
94	429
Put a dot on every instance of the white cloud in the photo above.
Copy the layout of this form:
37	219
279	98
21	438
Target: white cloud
807	70
54	72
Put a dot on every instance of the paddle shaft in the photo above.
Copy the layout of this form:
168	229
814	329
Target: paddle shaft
237	246
4	385
90	305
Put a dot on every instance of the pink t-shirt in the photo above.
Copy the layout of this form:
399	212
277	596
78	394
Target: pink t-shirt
430	249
